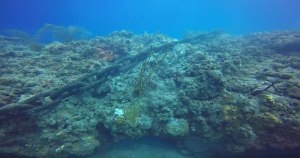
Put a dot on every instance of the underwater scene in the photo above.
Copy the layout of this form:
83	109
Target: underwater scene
149	79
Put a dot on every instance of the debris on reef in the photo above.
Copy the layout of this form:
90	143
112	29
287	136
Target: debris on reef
212	90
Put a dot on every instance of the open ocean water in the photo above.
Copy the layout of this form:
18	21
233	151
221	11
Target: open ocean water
149	79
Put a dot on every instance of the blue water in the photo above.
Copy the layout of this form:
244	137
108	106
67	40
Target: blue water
172	17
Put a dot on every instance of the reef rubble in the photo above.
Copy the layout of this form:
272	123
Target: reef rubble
212	92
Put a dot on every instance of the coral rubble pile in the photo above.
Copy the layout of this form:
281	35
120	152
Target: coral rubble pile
220	93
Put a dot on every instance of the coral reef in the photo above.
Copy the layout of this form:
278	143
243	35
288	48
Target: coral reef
177	127
211	92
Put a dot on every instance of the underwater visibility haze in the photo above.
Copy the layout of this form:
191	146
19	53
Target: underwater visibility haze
172	17
149	79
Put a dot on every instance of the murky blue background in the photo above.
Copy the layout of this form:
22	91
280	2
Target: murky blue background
172	17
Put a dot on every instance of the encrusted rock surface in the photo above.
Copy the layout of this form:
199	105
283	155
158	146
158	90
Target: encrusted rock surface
206	87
